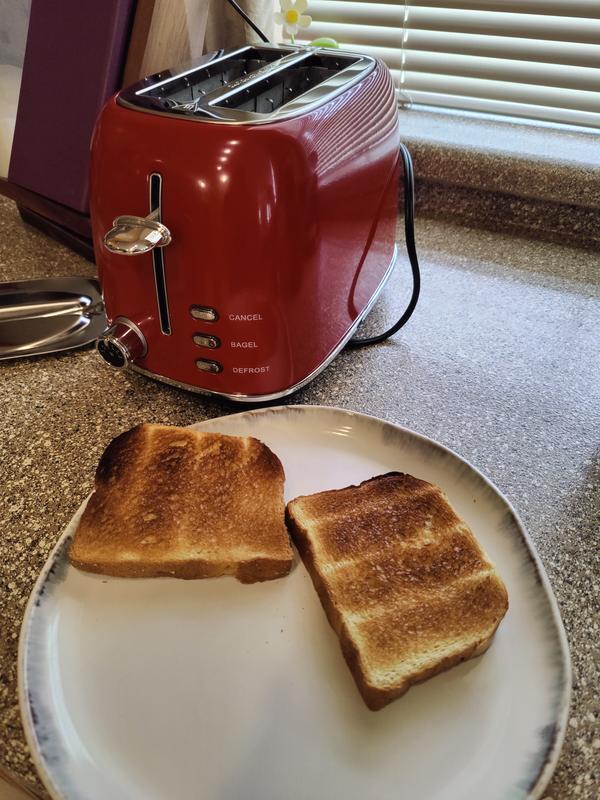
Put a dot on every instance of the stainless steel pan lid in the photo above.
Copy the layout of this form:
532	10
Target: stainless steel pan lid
49	315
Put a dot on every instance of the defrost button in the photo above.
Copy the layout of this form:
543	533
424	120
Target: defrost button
206	365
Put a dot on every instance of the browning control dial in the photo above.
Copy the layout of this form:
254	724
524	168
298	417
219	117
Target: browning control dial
122	343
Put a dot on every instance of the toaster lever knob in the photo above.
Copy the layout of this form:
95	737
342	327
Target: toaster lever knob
131	236
122	343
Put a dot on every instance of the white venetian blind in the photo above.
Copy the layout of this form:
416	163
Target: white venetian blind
534	58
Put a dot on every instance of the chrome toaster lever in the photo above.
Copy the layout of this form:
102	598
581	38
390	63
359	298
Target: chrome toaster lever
131	236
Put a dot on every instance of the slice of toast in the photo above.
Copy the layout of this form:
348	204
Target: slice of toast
403	581
177	502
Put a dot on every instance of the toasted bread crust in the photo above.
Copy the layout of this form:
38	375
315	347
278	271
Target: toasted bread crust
175	502
118	456
250	571
373	555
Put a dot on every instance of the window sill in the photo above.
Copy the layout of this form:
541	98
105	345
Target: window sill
498	174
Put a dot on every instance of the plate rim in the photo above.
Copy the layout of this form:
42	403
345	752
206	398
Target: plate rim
554	747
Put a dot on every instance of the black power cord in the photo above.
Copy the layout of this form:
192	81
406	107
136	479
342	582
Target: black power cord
253	25
411	249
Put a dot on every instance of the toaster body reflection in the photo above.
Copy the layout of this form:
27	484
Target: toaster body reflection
244	216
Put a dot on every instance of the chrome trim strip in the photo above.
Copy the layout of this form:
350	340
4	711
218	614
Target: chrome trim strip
317	96
264	398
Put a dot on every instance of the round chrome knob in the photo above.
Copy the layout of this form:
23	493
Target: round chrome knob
122	343
132	236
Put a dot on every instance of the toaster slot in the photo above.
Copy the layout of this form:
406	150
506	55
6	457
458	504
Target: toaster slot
250	84
184	91
158	259
274	91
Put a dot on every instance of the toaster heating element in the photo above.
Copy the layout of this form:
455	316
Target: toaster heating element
244	215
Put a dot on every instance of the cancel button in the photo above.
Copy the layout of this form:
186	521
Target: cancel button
245	345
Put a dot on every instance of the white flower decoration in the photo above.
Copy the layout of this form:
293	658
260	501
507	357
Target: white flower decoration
292	16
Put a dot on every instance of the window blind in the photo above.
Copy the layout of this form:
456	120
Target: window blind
532	58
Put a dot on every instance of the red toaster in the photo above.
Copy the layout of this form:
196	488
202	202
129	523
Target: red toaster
244	213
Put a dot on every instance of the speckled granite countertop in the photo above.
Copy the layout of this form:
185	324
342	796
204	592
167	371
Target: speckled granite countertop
500	363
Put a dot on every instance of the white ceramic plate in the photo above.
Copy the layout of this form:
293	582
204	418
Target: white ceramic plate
160	688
